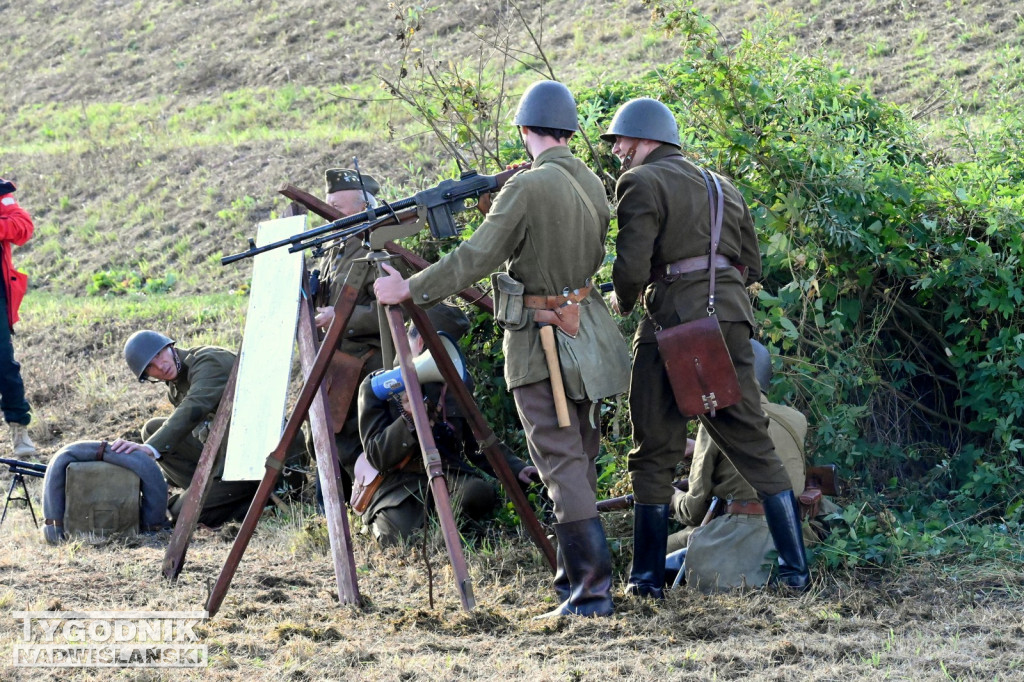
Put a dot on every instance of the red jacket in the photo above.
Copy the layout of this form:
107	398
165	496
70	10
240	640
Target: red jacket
15	228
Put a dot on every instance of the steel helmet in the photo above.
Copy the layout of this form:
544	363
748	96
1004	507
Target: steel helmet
644	119
140	349
547	104
762	364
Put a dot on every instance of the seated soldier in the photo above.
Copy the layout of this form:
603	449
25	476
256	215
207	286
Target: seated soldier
195	379
396	510
731	550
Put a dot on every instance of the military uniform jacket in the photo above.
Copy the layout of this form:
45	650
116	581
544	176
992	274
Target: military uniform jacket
713	475
664	216
387	440
363	329
546	237
731	550
195	394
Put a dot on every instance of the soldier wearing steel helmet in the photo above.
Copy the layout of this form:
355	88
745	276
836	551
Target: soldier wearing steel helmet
546	228
662	259
195	380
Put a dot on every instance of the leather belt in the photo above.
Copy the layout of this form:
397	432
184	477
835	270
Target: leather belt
752	508
695	264
539	302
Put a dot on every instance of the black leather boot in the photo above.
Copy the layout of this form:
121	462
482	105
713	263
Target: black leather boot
782	513
650	538
588	565
561	582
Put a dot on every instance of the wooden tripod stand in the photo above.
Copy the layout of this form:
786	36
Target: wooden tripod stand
343	309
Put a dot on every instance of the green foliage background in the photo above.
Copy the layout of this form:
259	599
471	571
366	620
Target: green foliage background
892	275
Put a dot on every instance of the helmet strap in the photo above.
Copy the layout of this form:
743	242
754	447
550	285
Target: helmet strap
627	160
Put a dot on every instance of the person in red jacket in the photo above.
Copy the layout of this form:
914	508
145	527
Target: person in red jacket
15	229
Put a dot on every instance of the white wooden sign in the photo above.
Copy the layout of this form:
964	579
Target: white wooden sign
257	417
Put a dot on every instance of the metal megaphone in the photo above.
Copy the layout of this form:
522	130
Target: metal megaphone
389	383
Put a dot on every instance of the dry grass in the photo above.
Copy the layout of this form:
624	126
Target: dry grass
282	619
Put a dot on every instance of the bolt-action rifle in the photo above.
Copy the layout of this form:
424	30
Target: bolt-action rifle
437	205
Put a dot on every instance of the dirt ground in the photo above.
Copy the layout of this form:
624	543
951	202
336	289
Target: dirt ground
282	619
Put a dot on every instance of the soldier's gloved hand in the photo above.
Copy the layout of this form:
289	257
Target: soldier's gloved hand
6	187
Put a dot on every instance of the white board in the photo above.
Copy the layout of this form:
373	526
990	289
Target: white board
257	417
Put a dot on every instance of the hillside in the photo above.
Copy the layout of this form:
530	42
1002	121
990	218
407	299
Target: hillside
148	139
152	137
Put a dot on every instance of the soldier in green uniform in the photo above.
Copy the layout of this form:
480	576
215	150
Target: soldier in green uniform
731	550
360	341
547	228
397	508
662	254
195	380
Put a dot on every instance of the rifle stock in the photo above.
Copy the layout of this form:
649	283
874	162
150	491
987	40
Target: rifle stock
627	501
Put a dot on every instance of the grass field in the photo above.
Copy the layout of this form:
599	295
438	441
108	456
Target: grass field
148	139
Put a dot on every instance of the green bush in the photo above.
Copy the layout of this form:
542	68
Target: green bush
892	277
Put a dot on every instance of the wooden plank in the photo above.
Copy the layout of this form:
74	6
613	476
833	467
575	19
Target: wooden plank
328	468
188	518
266	357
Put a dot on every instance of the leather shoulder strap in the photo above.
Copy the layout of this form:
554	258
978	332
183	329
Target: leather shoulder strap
716	209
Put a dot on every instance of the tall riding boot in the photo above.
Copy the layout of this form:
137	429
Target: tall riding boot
783	516
561	582
650	538
588	565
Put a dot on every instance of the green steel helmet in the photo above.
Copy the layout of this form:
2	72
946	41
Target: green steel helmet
547	104
762	364
140	349
644	119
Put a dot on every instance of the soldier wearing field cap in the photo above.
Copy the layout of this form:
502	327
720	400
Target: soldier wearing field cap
546	230
196	379
360	340
662	258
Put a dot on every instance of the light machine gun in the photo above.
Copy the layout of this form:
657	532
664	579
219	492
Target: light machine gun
437	206
19	470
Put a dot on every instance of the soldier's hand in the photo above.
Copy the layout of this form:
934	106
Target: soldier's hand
391	289
613	303
126	446
324	316
529	474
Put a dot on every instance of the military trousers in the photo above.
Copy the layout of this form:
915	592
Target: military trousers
564	457
660	431
472	499
226	500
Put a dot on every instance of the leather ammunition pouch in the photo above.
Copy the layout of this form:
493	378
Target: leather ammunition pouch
509	310
562	311
367	480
